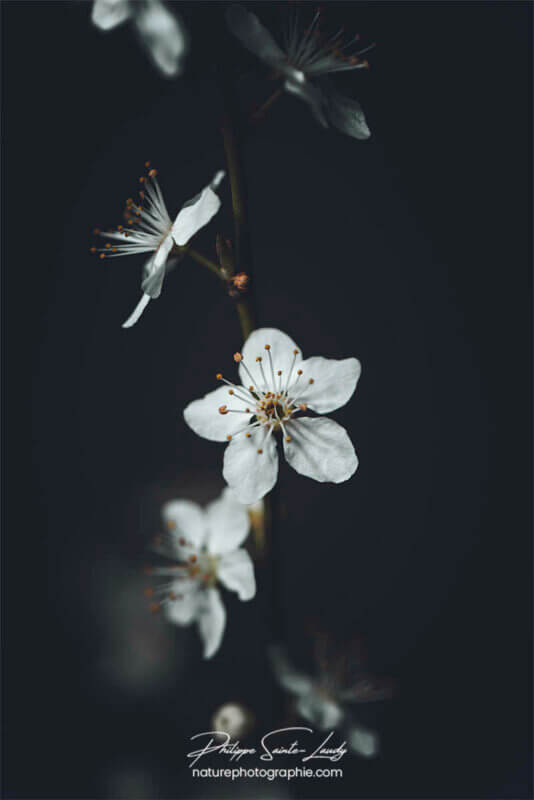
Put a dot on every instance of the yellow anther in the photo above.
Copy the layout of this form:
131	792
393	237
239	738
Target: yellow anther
238	357
223	409
260	451
219	376
267	346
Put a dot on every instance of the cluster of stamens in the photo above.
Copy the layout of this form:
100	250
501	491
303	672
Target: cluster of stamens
197	569
309	48
273	406
146	222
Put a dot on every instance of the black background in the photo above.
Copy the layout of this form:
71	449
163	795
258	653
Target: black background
410	251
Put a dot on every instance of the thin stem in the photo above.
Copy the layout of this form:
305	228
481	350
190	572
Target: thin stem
201	259
260	111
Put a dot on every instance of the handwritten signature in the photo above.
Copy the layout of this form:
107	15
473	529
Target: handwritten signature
272	744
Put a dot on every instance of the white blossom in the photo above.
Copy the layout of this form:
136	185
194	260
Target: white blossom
277	389
161	32
204	545
323	703
149	229
303	60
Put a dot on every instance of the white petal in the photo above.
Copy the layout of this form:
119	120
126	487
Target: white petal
334	382
211	618
288	677
346	115
183	519
107	14
236	572
204	417
282	349
253	35
162	34
228	523
320	449
311	95
196	213
251	475
184	609
363	741
155	269
138	310
322	712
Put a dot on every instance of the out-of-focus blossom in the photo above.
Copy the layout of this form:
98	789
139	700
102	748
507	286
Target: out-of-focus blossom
161	32
277	388
149	229
233	719
304	59
323	700
205	546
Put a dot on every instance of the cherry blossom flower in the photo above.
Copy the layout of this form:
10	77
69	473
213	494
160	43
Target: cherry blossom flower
204	545
161	32
277	389
323	700
149	229
304	59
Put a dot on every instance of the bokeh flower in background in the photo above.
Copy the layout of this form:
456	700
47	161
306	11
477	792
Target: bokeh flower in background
149	229
161	32
277	388
306	57
204	545
324	699
233	719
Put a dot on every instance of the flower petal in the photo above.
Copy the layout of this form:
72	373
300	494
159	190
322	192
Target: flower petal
138	310
236	572
183	610
320	449
363	741
251	474
254	36
334	382
203	416
155	269
183	519
197	212
107	14
281	353
163	35
228	523
288	677
311	95
211	617
346	115
322	712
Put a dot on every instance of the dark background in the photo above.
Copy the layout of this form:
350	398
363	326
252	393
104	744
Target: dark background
410	251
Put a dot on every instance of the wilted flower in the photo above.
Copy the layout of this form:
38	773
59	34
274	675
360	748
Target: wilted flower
323	700
160	31
303	61
149	229
278	387
204	544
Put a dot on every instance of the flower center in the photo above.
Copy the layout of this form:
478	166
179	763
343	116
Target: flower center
272	399
198	569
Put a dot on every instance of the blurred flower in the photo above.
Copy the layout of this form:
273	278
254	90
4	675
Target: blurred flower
149	229
161	32
270	401
205	546
233	719
323	700
303	61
